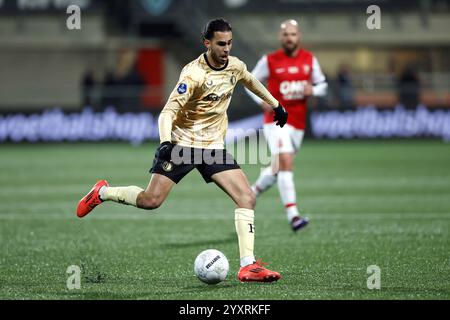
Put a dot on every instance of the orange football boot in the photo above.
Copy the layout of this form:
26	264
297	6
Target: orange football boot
257	273
91	200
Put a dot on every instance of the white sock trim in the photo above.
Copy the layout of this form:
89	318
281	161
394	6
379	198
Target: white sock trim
101	192
292	212
245	261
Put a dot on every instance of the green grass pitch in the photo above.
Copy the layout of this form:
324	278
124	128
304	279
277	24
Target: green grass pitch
384	203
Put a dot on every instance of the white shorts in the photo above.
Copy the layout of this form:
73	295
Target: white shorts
283	140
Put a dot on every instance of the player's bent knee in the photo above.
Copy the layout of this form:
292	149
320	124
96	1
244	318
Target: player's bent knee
151	202
247	200
286	163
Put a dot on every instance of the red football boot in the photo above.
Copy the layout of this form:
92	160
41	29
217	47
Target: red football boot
91	200
257	273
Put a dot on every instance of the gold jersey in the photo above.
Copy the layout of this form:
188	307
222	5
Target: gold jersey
195	113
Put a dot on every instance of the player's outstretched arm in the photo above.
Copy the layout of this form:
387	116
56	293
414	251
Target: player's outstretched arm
165	122
177	99
261	72
255	86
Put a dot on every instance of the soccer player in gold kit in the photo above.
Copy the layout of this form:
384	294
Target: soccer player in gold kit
192	129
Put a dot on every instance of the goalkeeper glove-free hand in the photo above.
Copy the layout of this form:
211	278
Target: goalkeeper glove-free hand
164	151
280	116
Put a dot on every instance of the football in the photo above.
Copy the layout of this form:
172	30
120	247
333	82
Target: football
211	266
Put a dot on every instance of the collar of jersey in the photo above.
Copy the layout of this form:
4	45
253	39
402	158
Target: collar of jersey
209	65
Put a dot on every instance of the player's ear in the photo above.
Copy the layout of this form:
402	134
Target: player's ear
207	43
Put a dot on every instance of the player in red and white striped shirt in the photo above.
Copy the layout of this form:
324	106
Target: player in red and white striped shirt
292	75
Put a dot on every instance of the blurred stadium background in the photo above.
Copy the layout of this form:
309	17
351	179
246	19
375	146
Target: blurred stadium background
379	199
128	55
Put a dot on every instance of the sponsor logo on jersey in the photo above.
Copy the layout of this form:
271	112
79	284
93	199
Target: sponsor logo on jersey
293	69
279	70
215	97
211	97
182	88
292	90
233	79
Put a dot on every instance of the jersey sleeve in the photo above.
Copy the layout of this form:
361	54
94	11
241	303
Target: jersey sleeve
257	88
185	87
183	91
318	79
261	72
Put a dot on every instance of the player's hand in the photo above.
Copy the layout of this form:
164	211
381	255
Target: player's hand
280	116
164	151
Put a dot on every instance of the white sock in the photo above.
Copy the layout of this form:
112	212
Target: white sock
124	195
245	261
292	212
101	192
286	187
265	180
244	220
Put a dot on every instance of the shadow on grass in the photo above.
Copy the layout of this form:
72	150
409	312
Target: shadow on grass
232	238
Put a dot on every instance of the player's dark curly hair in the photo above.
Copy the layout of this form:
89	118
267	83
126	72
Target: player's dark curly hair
215	25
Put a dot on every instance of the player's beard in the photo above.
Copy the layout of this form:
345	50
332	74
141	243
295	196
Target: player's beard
289	48
218	59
